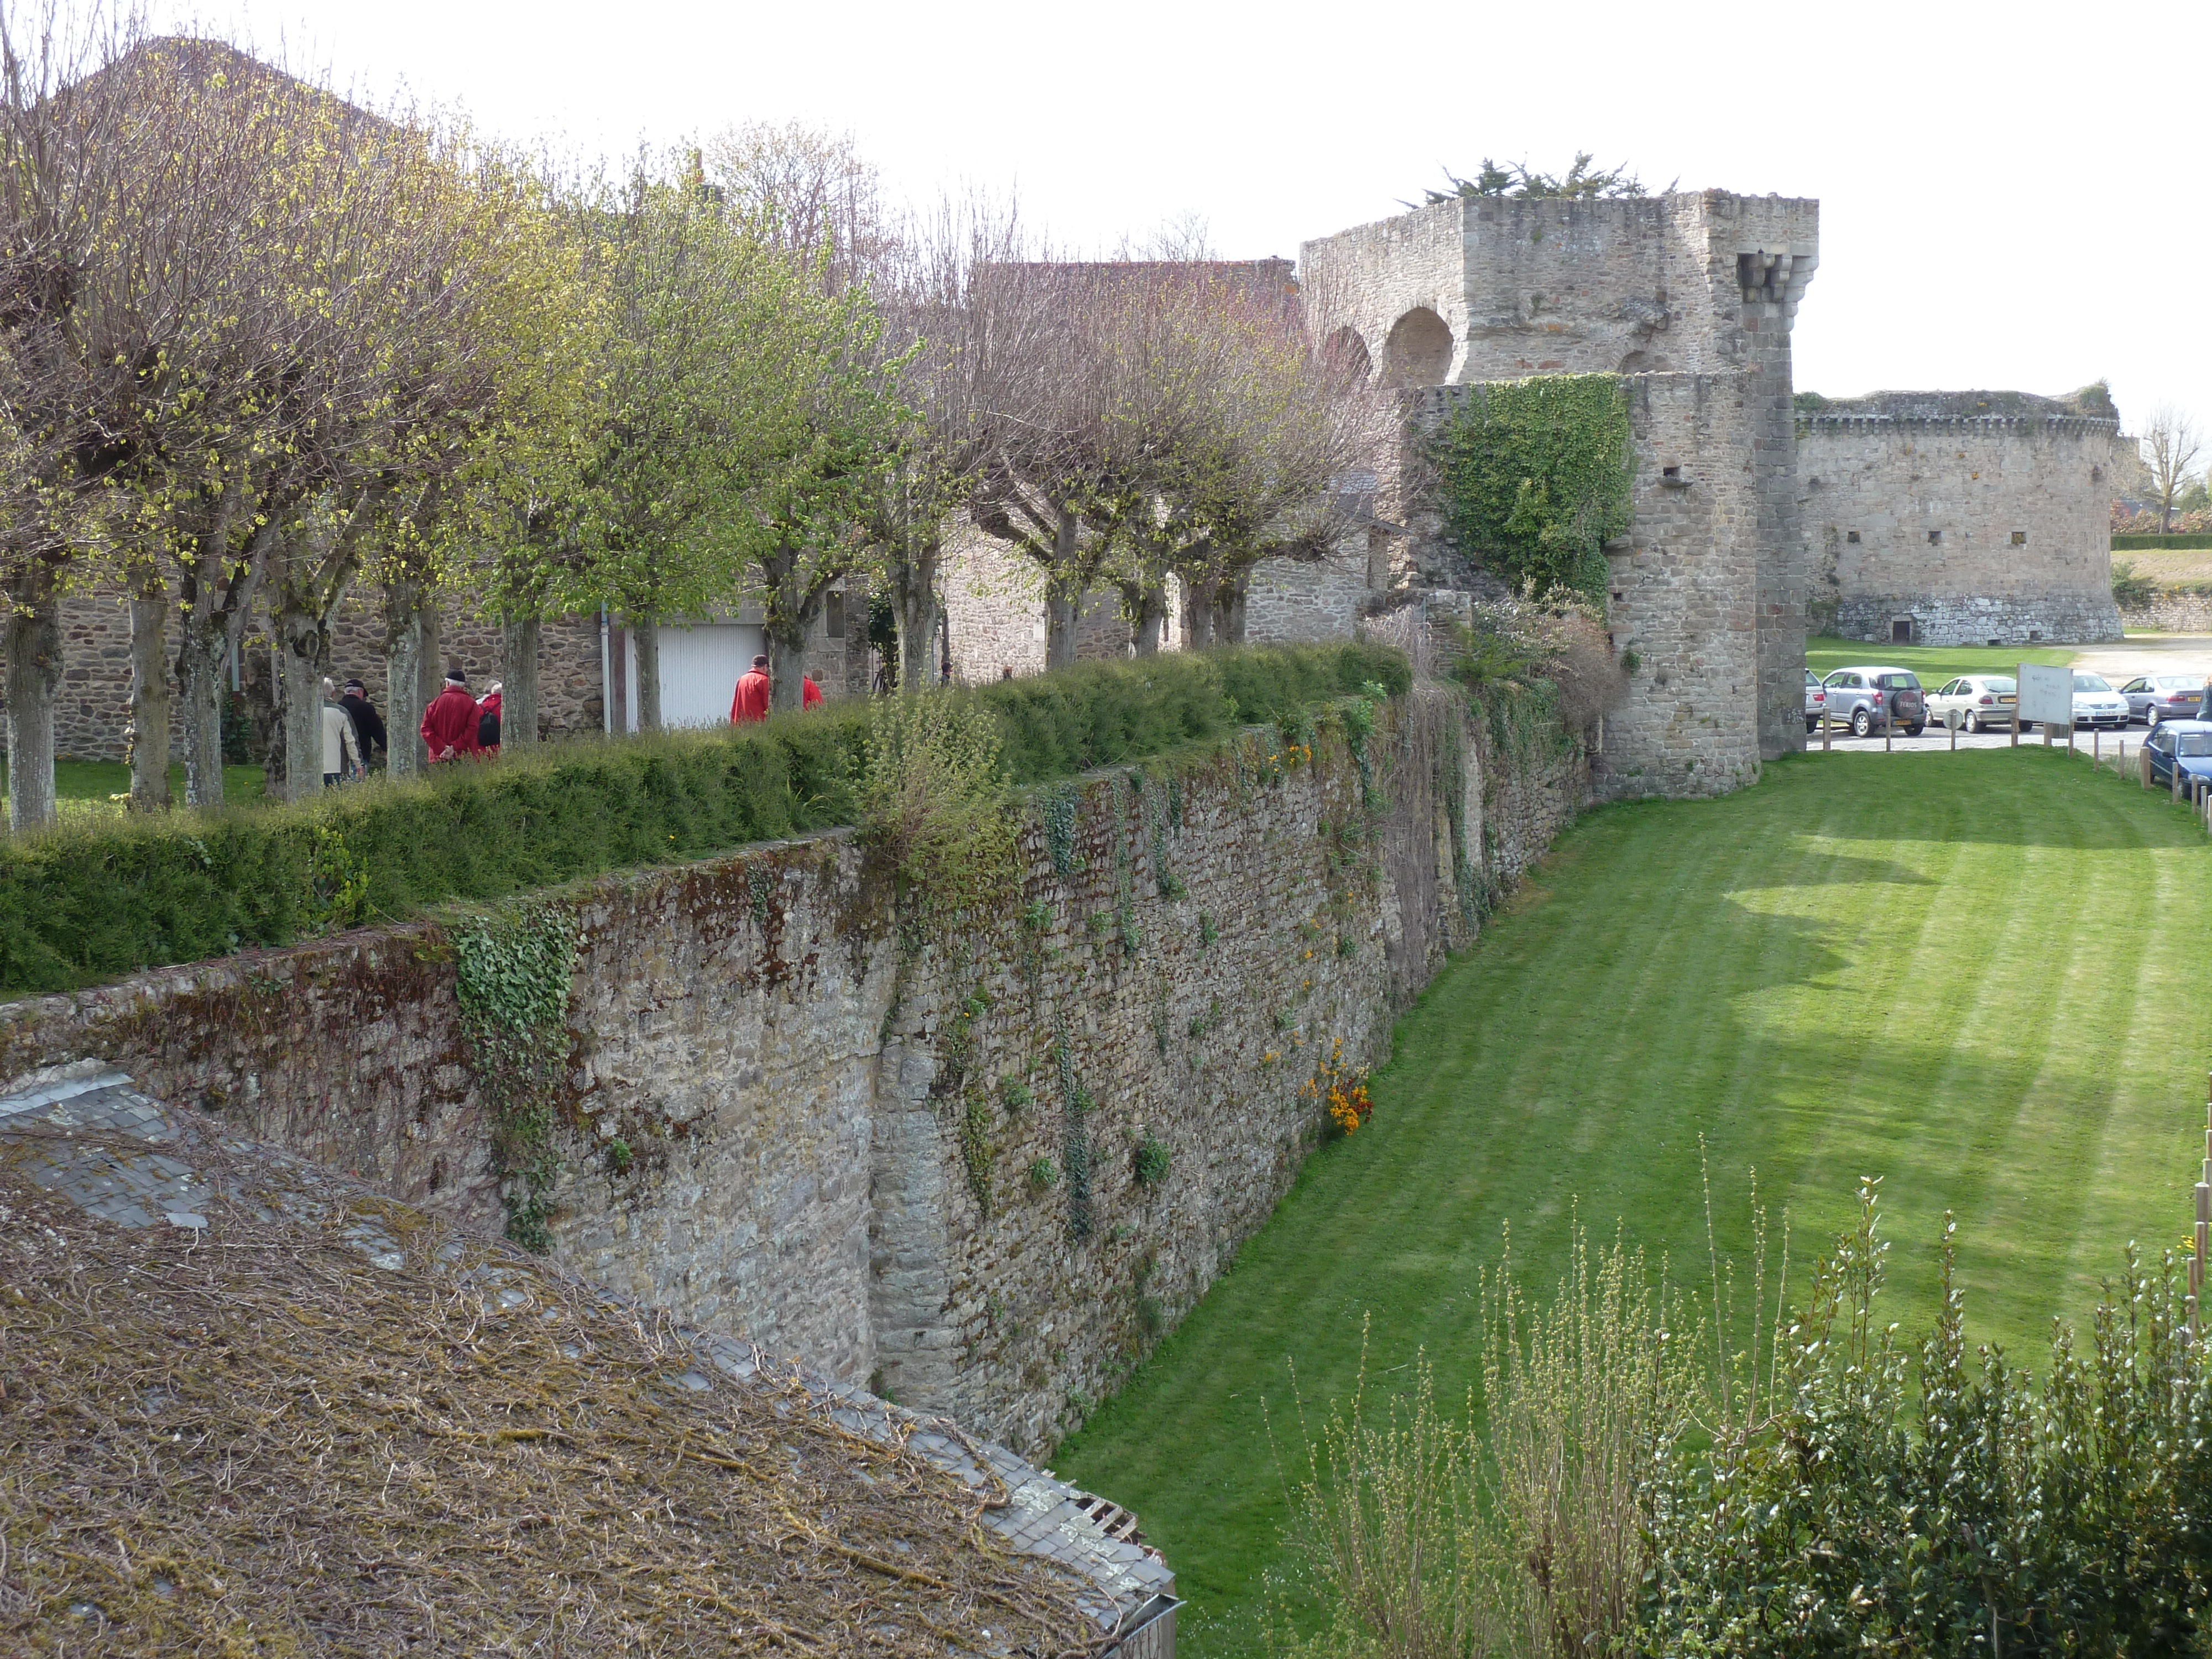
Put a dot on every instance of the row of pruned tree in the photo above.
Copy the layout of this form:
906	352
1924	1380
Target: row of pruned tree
261	348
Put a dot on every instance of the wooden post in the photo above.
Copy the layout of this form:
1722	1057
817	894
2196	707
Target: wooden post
2142	762
2096	747
1887	728
2015	723
1826	744
1954	739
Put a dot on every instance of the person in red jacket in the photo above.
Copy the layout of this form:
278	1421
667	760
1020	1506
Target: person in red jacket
810	693
449	724
750	703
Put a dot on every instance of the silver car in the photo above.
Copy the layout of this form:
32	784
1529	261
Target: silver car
2095	703
1876	697
1816	698
2155	697
1983	701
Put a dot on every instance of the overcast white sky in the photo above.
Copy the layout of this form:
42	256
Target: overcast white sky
2012	196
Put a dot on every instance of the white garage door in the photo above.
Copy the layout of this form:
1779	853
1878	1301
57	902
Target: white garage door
699	670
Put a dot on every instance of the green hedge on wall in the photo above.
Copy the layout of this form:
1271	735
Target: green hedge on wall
2178	543
86	903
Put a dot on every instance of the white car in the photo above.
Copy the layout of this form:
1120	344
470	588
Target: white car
1983	701
2095	703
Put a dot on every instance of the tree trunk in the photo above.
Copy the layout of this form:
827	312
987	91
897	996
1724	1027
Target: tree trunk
218	598
31	643
1061	608
518	700
1147	632
304	649
149	700
914	587
407	654
787	670
203	654
1229	603
1197	613
645	637
1060	612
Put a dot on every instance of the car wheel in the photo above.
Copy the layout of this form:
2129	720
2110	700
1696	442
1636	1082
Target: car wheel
1861	722
1914	731
2150	719
1812	726
1973	722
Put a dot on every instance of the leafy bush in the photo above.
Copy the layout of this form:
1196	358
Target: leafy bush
84	903
2130	592
2071	1519
1637	1479
1536	477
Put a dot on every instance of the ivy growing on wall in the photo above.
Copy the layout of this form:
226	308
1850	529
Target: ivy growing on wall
1536	477
512	966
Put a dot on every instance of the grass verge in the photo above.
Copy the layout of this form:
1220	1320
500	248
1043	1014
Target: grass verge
1971	974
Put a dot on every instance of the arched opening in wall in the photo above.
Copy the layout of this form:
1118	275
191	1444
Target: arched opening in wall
1638	362
1418	351
1345	355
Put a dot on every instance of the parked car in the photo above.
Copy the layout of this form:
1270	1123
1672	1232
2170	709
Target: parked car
2095	703
2186	744
1984	699
1816	699
1871	696
2155	697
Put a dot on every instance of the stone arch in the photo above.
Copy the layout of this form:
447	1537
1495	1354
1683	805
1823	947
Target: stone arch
1418	351
1638	362
1346	354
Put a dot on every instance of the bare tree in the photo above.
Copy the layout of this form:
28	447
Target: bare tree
2170	446
807	192
961	348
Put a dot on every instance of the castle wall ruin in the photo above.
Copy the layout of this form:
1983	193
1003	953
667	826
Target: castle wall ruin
1691	298
1927	526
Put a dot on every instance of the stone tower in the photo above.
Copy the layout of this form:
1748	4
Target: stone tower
1692	296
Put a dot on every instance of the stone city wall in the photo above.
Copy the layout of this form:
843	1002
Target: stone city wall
921	1170
1960	530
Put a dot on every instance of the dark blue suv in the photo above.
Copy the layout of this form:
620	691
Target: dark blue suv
2184	744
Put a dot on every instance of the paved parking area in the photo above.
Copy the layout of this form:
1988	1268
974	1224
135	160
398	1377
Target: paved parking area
1936	738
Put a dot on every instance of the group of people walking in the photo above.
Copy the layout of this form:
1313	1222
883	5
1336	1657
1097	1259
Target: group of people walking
460	726
456	725
750	703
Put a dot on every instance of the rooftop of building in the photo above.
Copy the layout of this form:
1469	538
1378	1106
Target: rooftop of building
248	1394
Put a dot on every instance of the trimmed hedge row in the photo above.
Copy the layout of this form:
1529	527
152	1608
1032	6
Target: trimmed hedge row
81	904
2179	542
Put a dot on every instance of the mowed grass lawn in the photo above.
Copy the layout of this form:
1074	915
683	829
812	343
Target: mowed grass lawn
1978	975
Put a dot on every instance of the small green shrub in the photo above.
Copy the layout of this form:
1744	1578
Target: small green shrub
2130	591
1043	1175
1153	1161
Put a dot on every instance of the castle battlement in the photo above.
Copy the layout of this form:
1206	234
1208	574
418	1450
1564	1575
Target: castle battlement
2089	426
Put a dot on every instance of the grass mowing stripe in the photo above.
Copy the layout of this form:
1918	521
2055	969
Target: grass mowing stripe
1970	973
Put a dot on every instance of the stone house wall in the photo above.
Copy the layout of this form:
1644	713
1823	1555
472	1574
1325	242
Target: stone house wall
831	1147
1966	530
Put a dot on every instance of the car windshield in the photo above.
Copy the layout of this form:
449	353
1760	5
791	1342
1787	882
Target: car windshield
2090	683
2196	744
1898	682
1997	684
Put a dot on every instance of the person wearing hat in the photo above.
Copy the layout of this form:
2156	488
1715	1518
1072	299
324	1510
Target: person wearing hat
449	724
368	724
750	703
342	758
